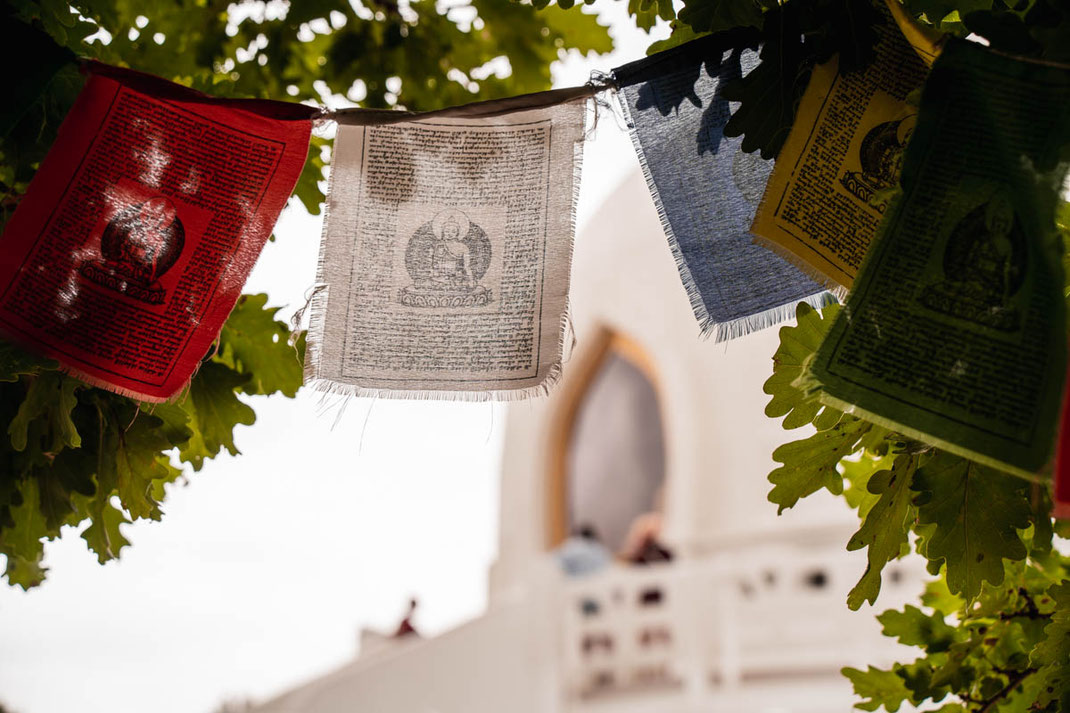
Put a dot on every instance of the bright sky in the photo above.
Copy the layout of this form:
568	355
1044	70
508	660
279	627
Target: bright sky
267	565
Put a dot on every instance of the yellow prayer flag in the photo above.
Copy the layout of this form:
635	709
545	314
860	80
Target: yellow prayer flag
828	190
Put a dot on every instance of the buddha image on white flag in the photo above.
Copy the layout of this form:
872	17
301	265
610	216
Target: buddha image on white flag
444	269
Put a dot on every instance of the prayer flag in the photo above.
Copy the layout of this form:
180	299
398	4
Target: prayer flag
136	235
841	159
926	41
1062	460
955	331
444	270
705	188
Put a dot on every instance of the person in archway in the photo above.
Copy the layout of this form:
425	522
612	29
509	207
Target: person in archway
583	552
642	545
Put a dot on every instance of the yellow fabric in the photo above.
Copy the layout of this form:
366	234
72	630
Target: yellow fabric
829	189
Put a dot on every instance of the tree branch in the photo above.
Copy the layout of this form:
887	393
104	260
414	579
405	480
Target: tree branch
1002	694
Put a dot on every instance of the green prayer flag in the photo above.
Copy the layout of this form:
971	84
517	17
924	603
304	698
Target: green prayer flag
955	332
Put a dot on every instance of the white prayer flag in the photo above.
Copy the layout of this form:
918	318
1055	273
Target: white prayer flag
444	269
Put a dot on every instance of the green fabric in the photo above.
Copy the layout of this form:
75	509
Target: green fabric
955	331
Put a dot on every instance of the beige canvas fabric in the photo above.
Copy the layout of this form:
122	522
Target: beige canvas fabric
444	269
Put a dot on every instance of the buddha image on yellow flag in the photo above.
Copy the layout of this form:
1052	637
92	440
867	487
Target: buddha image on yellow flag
827	192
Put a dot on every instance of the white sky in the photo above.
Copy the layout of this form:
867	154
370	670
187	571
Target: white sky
266	565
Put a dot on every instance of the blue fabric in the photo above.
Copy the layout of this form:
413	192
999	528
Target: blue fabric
706	189
579	556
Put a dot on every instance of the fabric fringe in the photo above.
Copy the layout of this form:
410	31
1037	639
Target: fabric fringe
298	317
566	333
698	306
317	302
725	331
335	388
802	266
99	383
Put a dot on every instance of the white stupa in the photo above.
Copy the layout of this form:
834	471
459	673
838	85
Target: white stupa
648	422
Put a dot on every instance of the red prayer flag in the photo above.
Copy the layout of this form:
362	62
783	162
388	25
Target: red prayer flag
1062	458
132	244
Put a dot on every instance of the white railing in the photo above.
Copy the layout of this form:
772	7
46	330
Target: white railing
746	618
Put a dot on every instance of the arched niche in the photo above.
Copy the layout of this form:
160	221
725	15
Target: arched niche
607	442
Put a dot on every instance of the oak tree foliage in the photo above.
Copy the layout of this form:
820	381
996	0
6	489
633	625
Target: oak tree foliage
992	632
993	628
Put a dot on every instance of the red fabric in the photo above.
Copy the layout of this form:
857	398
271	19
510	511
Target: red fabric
132	244
1062	459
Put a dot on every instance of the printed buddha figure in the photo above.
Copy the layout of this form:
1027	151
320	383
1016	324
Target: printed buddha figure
451	260
989	261
984	265
143	241
446	257
138	245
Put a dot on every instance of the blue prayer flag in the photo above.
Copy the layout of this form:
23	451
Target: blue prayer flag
706	188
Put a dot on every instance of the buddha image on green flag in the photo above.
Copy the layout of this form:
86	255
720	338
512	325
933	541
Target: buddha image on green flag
955	331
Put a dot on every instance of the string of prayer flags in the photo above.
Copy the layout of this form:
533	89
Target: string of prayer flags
955	331
705	188
445	264
841	160
135	237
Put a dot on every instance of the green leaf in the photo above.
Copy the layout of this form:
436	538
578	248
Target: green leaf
810	464
955	673
308	183
25	538
879	688
681	33
976	512
913	627
71	472
851	33
856	473
918	677
23	572
798	344
174	421
938	597
215	410
253	342
1052	655
132	462
16	362
48	405
644	13
104	536
1005	31
585	33
718	15
770	93
884	531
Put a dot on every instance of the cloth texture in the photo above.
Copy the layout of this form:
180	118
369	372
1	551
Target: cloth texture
955	330
834	175
706	188
135	237
446	254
